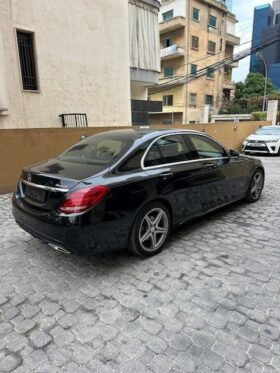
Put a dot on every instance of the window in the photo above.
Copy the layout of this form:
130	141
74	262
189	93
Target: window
27	60
210	73
207	148
195	42
99	150
167	100
168	71
134	161
196	14
168	15
211	47
193	69
212	22
209	100
193	99
169	149
167	42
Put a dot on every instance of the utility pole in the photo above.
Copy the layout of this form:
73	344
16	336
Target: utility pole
260	56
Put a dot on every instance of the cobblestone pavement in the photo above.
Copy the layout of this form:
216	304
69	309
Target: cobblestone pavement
209	302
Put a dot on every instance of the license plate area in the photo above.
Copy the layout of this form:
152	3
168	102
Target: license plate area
36	194
257	145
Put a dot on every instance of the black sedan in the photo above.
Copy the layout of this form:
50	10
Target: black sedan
128	188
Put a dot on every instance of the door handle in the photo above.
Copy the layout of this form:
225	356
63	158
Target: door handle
167	175
209	164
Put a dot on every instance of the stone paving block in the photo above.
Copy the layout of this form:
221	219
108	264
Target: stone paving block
209	302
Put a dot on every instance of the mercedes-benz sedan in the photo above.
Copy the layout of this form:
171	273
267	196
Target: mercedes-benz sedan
128	188
265	140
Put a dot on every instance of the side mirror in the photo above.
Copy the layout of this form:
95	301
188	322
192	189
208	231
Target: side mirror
234	153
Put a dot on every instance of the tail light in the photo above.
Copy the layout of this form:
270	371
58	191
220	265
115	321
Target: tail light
83	199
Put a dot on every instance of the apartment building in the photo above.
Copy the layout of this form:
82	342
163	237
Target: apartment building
194	34
95	58
267	25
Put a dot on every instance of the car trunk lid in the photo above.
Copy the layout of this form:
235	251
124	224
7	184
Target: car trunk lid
43	186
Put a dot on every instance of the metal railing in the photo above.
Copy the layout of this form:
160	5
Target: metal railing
74	120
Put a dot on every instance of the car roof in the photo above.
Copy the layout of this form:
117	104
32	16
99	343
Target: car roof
145	133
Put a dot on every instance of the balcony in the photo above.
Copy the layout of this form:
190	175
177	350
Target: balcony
228	84
232	65
232	39
172	52
172	25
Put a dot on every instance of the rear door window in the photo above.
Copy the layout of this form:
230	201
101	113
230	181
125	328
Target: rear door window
167	150
206	148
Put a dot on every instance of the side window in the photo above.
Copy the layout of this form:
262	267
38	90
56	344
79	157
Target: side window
169	149
133	162
207	148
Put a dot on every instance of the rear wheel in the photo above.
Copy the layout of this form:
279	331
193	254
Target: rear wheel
256	186
150	230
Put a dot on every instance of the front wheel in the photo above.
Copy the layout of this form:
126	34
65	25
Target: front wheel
150	230
256	186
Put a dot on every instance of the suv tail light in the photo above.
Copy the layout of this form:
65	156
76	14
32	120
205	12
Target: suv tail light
83	199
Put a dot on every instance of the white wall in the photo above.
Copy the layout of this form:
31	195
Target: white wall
179	7
138	91
82	56
3	81
230	29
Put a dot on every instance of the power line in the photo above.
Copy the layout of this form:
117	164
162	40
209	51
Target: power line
214	67
207	57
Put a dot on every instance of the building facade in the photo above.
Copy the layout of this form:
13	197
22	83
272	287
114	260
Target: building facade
267	25
94	57
194	34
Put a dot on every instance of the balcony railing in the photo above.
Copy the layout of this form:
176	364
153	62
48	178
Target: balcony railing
228	84
172	25
172	52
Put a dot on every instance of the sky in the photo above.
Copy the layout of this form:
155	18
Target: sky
244	10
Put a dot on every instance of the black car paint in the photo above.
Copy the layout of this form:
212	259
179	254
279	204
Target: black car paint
189	190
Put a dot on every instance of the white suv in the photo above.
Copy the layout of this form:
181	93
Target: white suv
264	140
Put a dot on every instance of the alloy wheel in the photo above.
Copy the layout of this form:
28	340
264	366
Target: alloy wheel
153	229
257	185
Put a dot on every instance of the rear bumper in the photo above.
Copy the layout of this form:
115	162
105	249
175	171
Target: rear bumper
70	234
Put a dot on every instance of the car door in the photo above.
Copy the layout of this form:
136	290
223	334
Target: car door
169	164
221	176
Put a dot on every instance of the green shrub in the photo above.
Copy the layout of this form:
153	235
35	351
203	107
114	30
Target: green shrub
259	116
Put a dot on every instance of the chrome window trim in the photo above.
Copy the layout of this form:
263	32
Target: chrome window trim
44	187
186	132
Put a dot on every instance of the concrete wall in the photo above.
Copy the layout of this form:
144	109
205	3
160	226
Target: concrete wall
23	147
178	6
82	54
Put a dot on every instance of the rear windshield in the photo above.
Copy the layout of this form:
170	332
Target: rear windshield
97	150
269	131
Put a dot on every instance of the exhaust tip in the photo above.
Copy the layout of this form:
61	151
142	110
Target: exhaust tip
59	248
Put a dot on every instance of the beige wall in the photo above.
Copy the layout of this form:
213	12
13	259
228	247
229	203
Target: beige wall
82	55
23	147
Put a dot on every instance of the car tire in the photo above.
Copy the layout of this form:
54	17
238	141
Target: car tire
150	230
256	186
